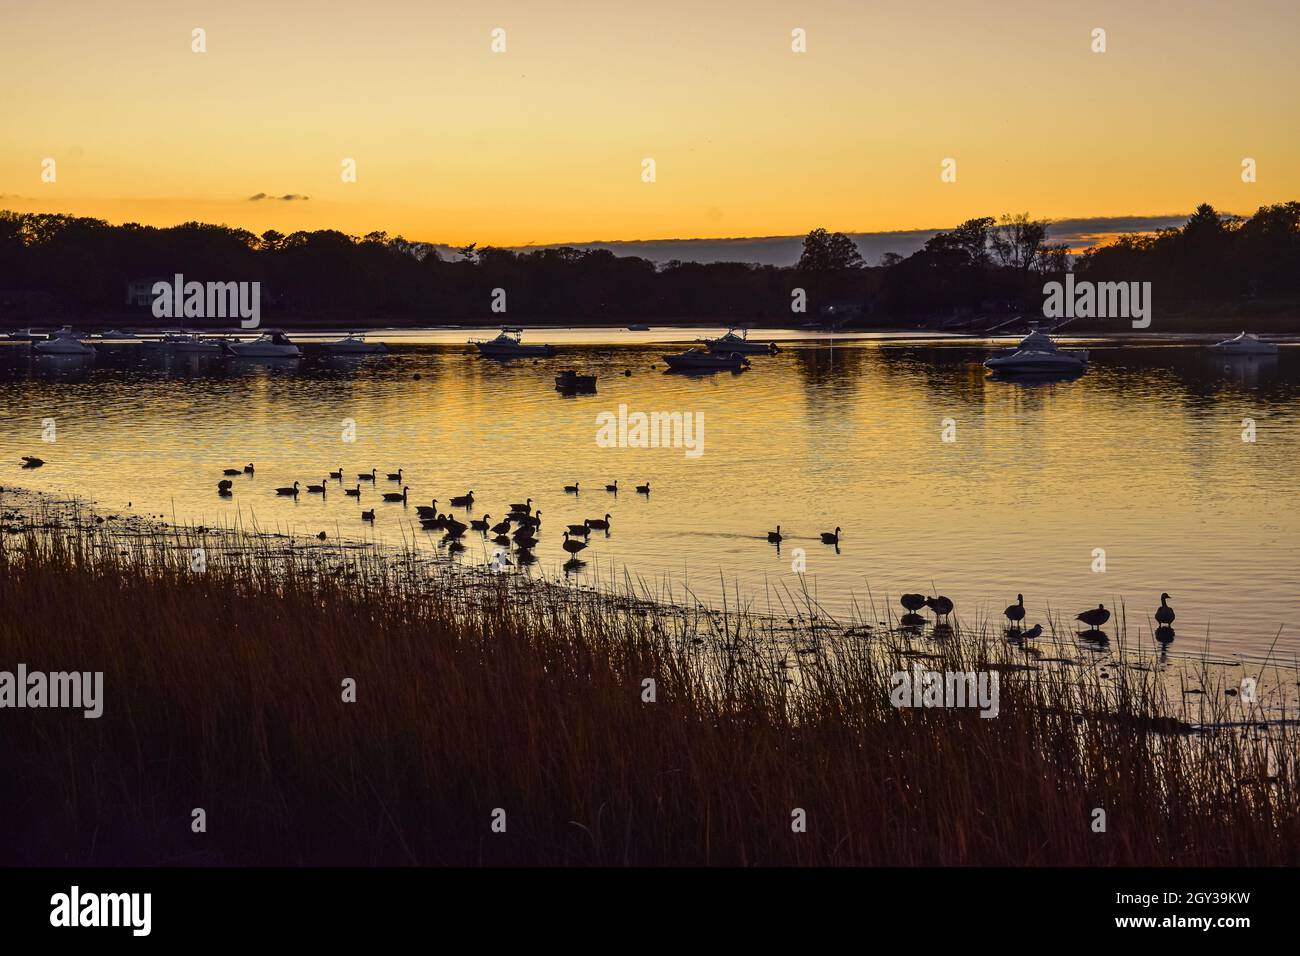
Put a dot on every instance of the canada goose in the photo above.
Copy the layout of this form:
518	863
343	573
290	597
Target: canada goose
571	489
368	515
232	471
317	489
600	524
435	523
429	510
353	492
369	477
395	477
480	525
248	469
1016	612
337	474
941	606
643	489
1034	632
463	501
581	530
501	527
30	461
288	491
1094	617
829	538
524	508
224	492
532	520
1164	613
613	487
394	496
912	602
775	536
223	484
525	537
454	528
571	546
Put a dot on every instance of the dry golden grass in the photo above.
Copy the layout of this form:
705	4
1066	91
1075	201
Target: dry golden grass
223	691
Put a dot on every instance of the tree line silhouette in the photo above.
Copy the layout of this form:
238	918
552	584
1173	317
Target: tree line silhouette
55	267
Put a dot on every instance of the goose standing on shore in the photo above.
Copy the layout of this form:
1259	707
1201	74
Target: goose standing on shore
1094	617
1164	613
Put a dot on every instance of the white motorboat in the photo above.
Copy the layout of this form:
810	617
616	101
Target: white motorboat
1245	344
698	360
193	344
508	344
738	342
117	334
271	344
355	344
1033	362
63	342
25	335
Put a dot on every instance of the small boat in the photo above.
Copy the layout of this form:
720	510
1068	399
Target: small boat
698	360
508	344
117	334
638	327
191	344
734	342
25	335
1245	344
1038	354
355	344
271	344
63	342
571	383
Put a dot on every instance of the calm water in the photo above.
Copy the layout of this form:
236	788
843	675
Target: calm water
1142	457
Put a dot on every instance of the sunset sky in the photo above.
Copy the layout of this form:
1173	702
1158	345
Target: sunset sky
544	142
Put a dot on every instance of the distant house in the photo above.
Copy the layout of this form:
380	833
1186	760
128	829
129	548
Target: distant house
139	292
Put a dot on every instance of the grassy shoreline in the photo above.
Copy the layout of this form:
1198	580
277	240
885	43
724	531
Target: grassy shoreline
223	690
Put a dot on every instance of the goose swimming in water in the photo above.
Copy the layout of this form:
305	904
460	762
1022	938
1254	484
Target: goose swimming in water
1094	617
353	492
829	538
30	461
369	477
571	489
248	469
232	471
463	501
481	524
368	515
395	477
581	530
524	508
775	536
337	474
501	527
600	524
643	489
571	546
613	487
223	485
912	602
317	489
288	491
533	520
1016	612
1164	613
394	496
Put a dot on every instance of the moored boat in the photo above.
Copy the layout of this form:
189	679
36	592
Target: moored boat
271	344
734	342
1245	343
63	342
508	344
698	360
355	344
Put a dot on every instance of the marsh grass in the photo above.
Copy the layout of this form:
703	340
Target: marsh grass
478	691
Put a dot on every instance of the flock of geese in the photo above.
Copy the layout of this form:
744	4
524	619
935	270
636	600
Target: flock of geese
518	529
1094	618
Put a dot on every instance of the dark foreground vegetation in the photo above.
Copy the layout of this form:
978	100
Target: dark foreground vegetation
1208	273
223	691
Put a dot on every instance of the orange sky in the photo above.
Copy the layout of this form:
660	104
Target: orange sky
544	142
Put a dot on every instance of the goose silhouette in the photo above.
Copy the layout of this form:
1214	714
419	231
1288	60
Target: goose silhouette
941	606
1033	632
571	489
522	509
369	477
317	489
395	477
600	524
831	538
1016	612
463	501
775	536
1094	617
337	474
581	530
288	491
481	524
1164	613
571	546
912	602
643	489
353	492
395	496
368	515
